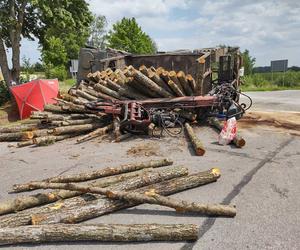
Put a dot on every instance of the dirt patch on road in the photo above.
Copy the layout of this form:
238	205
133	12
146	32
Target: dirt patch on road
278	121
144	149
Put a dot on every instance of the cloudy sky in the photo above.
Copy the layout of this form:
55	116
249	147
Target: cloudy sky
269	29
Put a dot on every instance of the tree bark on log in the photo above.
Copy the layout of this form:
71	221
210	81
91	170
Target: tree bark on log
102	206
25	143
182	79
175	88
173	77
24	202
107	91
238	141
148	83
86	95
50	139
108	171
24	217
19	128
140	88
99	233
192	83
155	78
116	128
150	197
131	93
98	94
114	86
96	133
53	108
144	70
76	128
197	144
16	136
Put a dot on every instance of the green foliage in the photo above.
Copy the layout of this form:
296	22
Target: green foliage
27	68
248	62
279	80
97	32
55	53
68	20
4	93
127	35
56	72
38	67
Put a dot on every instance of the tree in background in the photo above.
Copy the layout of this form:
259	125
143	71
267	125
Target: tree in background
68	20
127	35
248	62
98	33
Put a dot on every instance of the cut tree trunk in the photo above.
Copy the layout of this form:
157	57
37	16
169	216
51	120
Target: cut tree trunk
76	128
197	144
238	141
173	77
148	83
155	78
98	232
97	94
96	133
24	217
19	128
175	88
25	143
85	176
107	91
24	202
150	197
50	139
86	95
102	206
192	83
184	83
116	128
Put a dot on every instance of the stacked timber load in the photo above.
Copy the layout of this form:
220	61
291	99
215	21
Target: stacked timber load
41	217
70	118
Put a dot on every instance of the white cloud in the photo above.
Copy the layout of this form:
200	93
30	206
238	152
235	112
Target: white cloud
270	29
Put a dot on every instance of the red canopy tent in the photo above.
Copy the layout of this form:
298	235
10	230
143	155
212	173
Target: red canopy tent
32	96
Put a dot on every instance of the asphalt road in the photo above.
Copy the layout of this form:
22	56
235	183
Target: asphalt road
286	100
261	179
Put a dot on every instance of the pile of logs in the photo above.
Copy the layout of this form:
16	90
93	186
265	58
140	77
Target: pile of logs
70	117
79	197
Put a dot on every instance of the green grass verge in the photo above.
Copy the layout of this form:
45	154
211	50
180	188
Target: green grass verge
65	85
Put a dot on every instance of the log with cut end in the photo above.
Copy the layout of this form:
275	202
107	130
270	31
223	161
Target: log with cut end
113	85
84	202
155	78
144	70
148	83
25	202
96	133
16	136
85	176
98	233
197	144
184	83
104	205
238	141
36	133
175	88
76	128
150	197
192	83
173	77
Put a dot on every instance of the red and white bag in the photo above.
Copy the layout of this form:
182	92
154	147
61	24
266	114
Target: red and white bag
228	132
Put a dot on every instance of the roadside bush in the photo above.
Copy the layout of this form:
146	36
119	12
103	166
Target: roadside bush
278	79
4	93
56	72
